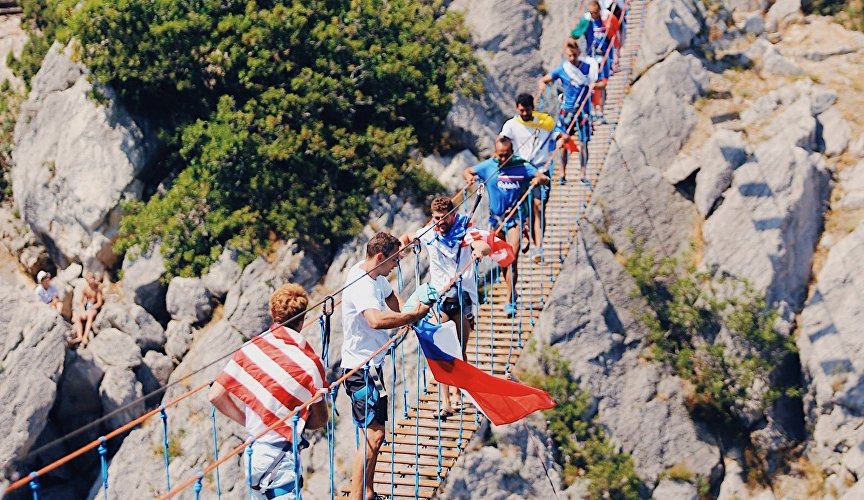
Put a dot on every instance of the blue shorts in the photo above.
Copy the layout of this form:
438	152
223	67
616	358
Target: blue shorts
520	217
606	68
582	126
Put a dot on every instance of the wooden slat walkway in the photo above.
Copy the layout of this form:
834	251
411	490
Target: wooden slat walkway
8	7
418	475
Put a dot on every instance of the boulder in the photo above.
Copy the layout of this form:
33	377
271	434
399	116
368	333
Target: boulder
835	132
820	38
505	36
669	489
179	335
113	348
821	99
591	318
795	125
142	280
134	321
852	186
138	464
856	147
508	469
12	40
782	13
448	170
69	176
632	192
774	63
754	24
32	352
78	401
670	25
720	156
154	371
683	167
832	358
188	299
120	389
775	204
222	274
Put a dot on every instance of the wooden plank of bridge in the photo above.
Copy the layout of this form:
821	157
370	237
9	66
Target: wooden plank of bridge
8	7
413	467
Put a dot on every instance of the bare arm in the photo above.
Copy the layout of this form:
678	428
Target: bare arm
469	175
384	320
540	178
221	399
542	83
480	249
394	302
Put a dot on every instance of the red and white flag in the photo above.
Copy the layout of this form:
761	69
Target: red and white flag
273	374
502	252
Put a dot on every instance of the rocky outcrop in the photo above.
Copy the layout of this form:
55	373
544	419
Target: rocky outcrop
189	300
134	322
592	320
505	38
670	25
782	193
832	356
12	39
852	183
142	280
512	468
721	155
656	120
32	350
222	274
835	132
69	176
781	13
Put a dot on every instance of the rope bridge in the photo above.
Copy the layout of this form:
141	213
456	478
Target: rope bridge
420	449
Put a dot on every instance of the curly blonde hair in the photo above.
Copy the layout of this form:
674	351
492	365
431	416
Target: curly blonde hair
288	301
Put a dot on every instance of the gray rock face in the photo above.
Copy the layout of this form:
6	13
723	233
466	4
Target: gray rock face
782	13
832	356
774	63
656	120
852	184
670	25
70	175
776	204
154	371
132	320
142	275
835	132
113	348
188	299
32	350
179	335
12	40
674	490
119	388
754	24
507	470
721	155
505	36
222	274
137	468
590	319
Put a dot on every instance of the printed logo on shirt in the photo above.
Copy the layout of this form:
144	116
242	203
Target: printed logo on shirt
509	182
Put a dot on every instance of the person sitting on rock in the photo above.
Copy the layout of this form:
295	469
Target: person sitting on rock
532	133
577	75
508	177
91	302
601	40
47	292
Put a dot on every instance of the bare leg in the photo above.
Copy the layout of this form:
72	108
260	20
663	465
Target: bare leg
444	389
583	158
368	460
88	328
77	328
510	278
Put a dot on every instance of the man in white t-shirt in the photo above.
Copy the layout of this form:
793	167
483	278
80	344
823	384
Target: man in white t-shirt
533	135
369	309
448	254
47	292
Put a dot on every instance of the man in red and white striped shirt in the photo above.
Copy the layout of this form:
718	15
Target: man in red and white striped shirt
272	375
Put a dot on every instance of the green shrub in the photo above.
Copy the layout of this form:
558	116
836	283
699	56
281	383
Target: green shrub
581	446
687	309
279	117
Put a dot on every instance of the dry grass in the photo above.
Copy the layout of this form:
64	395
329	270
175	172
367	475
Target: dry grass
813	476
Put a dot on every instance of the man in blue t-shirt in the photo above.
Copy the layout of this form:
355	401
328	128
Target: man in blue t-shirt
577	75
508	178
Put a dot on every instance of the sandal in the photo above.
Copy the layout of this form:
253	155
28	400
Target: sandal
443	414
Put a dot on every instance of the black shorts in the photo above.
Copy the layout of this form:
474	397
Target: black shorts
367	403
451	306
